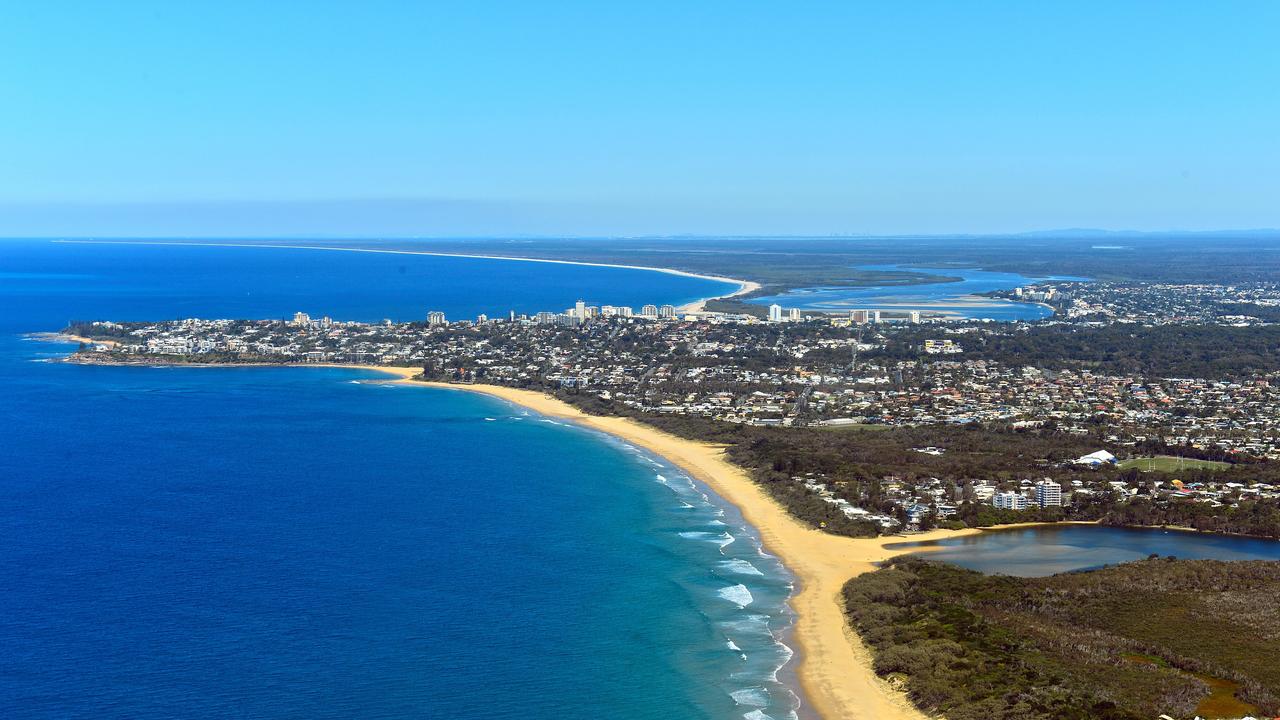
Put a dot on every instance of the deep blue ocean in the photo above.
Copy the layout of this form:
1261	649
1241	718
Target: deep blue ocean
316	543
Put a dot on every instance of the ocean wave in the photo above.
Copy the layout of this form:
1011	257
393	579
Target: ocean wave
749	625
733	645
757	715
756	697
723	539
786	652
737	594
741	567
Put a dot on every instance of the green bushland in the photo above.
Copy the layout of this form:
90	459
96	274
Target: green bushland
1120	643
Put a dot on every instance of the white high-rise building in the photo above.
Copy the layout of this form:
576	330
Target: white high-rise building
1048	493
858	316
1010	501
775	313
482	319
650	311
667	311
793	314
580	310
915	317
624	311
300	319
875	316
435	318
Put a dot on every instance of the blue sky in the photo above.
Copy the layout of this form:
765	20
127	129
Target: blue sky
475	118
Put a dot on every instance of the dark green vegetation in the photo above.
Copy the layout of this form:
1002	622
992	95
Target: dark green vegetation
1125	642
784	263
1186	351
867	467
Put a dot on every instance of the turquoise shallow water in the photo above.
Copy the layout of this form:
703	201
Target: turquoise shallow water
950	297
311	543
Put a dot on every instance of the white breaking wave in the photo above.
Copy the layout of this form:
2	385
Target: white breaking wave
737	594
752	697
733	645
722	539
757	715
749	625
741	567
786	653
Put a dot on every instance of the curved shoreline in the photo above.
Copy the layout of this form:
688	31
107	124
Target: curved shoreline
744	286
834	668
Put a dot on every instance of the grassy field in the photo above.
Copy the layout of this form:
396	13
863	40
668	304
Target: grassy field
1169	463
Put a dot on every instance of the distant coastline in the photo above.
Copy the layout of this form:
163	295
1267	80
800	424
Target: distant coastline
744	286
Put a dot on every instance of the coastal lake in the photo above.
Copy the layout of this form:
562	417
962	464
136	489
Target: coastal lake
1051	549
318	543
956	299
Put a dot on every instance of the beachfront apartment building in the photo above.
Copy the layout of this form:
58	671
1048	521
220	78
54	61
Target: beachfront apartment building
1048	494
1010	501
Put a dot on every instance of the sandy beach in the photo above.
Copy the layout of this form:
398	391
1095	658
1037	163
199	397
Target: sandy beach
65	338
697	306
744	286
835	668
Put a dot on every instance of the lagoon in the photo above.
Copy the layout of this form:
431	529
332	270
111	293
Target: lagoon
959	299
1051	549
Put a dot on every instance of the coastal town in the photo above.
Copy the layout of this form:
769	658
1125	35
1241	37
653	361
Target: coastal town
855	371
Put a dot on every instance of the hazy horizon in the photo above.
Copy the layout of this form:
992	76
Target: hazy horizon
665	119
1045	233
